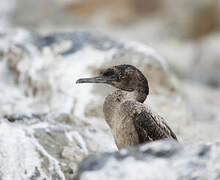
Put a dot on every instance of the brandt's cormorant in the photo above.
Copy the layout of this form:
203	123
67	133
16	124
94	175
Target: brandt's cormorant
131	122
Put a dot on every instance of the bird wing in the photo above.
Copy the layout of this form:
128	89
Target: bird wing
151	127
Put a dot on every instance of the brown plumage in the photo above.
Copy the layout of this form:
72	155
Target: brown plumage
131	122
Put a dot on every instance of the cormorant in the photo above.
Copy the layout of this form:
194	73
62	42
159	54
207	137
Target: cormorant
131	122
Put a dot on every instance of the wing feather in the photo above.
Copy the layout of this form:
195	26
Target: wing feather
151	127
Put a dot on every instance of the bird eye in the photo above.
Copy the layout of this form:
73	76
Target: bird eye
108	72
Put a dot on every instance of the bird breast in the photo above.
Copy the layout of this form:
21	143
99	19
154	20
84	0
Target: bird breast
119	114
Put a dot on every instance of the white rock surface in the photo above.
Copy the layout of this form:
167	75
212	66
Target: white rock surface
154	161
58	122
55	124
61	122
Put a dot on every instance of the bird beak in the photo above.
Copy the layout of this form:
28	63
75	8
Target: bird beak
99	79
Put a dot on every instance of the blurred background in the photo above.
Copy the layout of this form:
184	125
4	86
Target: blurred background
60	122
186	33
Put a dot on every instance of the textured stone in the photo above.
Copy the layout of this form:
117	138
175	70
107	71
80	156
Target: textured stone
157	160
57	122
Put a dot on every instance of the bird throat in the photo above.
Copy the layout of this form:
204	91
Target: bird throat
137	95
113	101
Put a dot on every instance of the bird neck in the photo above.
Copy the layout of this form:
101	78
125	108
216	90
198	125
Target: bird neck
140	94
142	89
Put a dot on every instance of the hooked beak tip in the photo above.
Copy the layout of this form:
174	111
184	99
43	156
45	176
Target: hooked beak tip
82	81
78	81
99	79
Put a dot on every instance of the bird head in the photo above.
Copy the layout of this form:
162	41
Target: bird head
124	77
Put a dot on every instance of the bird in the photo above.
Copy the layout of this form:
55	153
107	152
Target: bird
130	120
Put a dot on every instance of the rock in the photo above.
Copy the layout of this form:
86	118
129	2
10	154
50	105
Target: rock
196	61
18	152
52	54
56	123
39	146
59	123
206	62
80	12
204	103
128	11
32	13
193	20
157	160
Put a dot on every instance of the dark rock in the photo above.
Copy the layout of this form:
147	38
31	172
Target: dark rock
79	41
